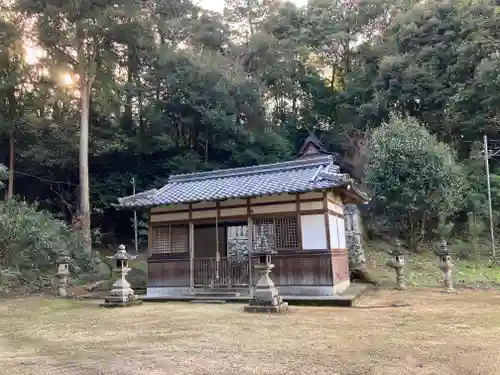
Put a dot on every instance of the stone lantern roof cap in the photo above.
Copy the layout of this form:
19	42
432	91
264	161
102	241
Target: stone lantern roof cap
63	259
443	248
398	248
122	254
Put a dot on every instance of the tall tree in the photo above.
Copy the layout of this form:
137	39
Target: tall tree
12	70
80	40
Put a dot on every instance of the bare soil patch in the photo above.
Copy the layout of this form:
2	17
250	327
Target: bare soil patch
436	334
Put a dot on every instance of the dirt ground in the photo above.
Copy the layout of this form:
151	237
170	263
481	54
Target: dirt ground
437	334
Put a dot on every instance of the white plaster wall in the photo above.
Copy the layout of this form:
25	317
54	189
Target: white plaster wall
313	232
334	233
341	230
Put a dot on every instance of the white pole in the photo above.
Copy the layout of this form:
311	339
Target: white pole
486	163
136	245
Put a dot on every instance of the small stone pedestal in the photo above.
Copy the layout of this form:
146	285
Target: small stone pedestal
121	294
63	275
397	263
266	298
445	264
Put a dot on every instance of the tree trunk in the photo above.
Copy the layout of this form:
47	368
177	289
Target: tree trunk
84	164
10	191
142	126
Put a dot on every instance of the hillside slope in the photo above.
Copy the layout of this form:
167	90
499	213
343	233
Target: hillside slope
421	269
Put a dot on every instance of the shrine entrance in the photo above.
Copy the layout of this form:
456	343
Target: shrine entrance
221	256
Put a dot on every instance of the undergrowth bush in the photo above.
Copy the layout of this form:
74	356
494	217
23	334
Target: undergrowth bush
31	240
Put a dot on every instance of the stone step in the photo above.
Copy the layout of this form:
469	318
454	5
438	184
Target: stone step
214	301
216	293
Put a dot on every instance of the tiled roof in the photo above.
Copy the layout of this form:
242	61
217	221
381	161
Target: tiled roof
296	176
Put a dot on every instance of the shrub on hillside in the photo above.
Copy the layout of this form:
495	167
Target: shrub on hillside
31	240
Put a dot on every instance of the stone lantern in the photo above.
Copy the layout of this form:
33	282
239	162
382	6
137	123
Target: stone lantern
445	264
266	298
398	262
62	274
121	293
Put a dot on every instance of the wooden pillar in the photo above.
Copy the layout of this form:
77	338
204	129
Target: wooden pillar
150	235
299	222
328	237
250	252
217	252
327	221
191	255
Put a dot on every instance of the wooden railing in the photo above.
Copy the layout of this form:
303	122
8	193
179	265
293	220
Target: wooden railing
226	272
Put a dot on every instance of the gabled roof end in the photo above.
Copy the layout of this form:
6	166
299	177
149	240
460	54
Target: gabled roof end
312	146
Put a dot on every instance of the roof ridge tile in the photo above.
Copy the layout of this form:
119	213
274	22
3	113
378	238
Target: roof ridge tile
256	169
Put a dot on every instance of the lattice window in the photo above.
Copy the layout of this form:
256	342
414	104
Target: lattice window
276	234
171	239
287	232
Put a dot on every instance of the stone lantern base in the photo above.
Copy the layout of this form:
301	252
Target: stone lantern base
253	307
121	295
266	297
109	303
121	298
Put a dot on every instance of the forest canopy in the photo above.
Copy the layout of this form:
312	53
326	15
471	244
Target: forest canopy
166	86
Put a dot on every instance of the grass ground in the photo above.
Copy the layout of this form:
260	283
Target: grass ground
436	334
421	269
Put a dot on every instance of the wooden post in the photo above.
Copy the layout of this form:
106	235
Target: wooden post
191	256
250	251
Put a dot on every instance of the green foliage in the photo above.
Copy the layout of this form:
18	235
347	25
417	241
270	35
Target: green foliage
30	243
414	179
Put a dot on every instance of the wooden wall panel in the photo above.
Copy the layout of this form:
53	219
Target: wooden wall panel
340	260
233	202
203	205
312	195
273	208
311	206
272	198
171	216
300	269
169	273
231	212
204	214
173	207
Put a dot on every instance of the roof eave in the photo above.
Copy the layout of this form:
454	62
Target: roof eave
355	194
132	206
